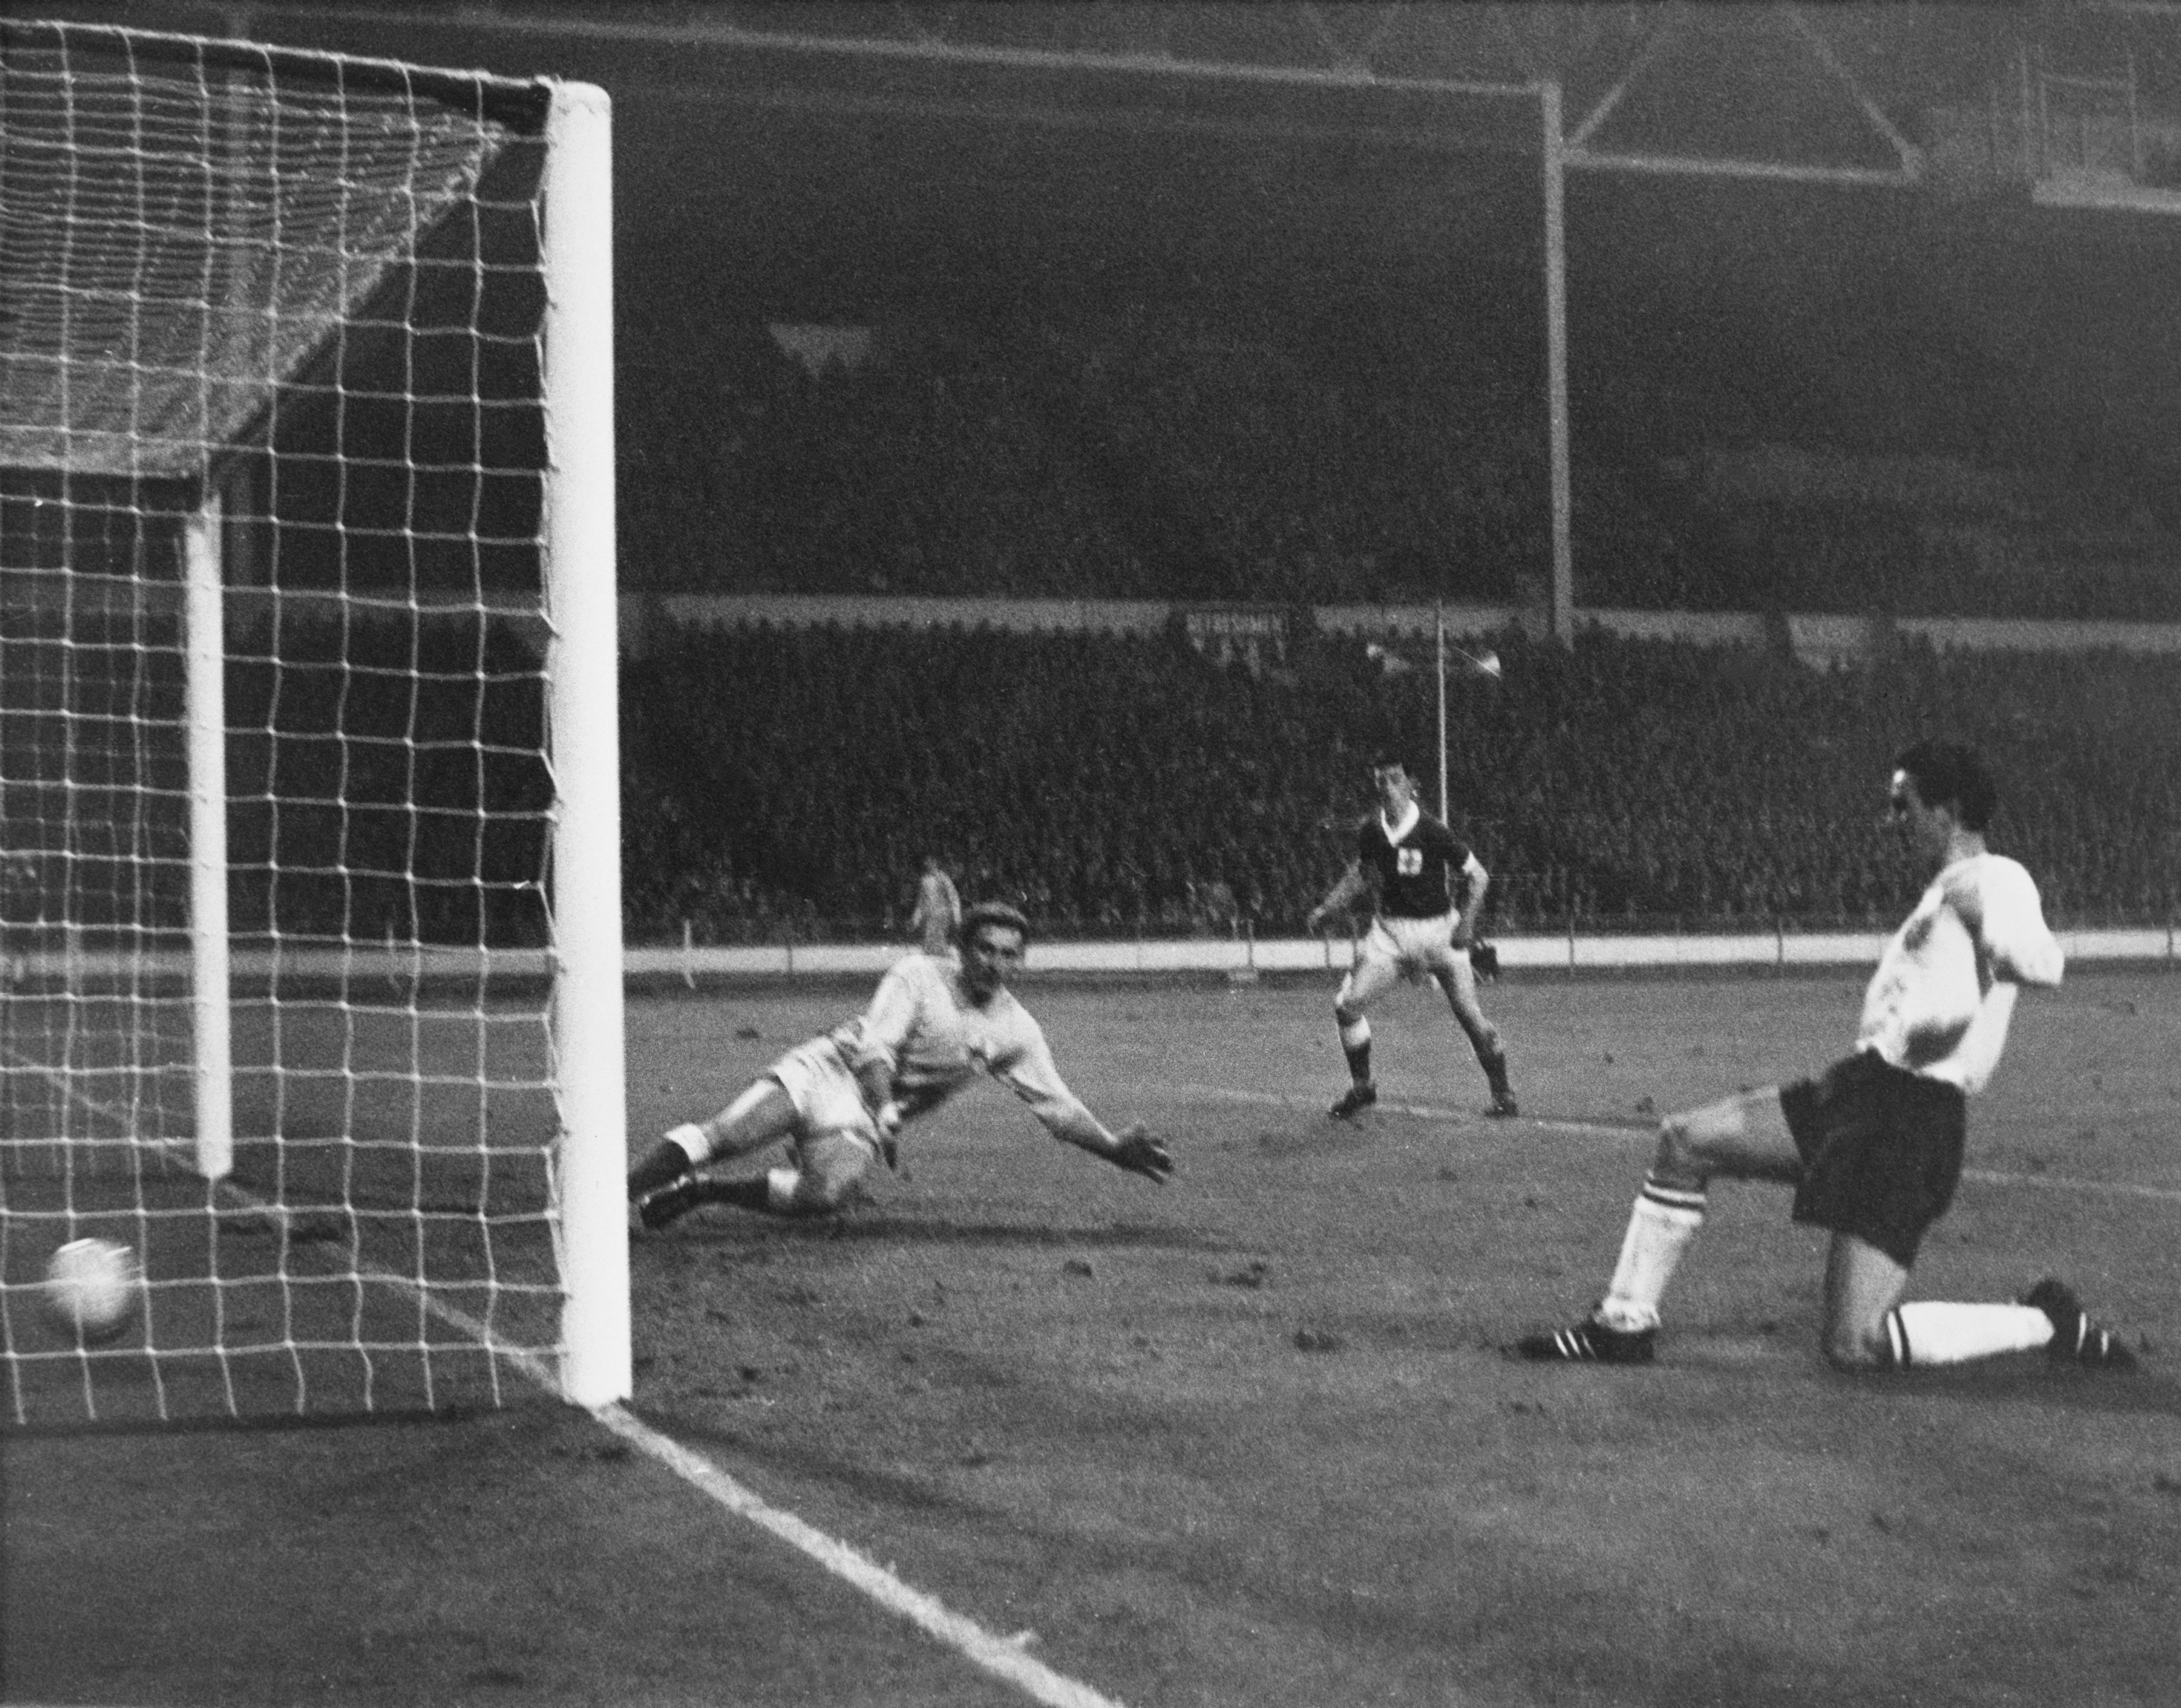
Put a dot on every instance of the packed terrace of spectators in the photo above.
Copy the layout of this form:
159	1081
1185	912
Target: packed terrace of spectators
784	783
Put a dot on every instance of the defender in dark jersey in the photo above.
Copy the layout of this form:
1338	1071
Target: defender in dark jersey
1429	890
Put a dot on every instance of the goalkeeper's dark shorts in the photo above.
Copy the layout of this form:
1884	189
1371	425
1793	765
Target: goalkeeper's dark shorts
1881	1151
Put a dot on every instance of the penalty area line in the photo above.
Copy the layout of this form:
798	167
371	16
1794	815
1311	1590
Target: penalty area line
1616	1129
1426	1112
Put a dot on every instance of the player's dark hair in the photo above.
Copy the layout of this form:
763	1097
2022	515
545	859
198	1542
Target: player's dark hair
992	914
1948	774
1391	761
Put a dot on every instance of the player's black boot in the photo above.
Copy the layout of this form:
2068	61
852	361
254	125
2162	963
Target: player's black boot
670	1204
1355	1100
662	1165
1590	1342
2076	1340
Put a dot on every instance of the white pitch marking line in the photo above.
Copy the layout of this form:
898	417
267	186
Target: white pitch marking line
1429	1112
1002	1656
1607	1129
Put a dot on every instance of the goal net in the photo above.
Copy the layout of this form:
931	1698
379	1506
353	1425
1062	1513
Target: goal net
309	924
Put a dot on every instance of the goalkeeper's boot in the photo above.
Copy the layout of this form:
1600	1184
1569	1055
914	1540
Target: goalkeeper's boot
1355	1100
1502	1103
666	1162
668	1204
2076	1340
1590	1342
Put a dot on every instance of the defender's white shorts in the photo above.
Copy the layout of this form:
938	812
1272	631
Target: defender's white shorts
827	1098
1395	948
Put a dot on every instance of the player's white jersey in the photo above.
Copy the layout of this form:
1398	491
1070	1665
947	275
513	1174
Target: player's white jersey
934	1041
1939	1002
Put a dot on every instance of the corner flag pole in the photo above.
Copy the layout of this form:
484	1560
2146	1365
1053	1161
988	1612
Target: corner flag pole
1439	632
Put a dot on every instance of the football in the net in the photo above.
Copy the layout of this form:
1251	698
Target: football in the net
93	1289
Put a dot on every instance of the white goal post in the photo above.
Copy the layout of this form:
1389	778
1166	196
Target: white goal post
310	932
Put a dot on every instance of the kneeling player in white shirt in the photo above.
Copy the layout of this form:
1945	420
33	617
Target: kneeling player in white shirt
841	1100
1873	1145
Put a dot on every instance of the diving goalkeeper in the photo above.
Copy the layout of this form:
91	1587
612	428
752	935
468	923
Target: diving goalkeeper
841	1100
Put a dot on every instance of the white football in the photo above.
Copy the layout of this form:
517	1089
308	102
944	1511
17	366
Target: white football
92	1287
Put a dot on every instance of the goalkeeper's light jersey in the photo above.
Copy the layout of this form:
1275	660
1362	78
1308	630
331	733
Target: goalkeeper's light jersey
1939	1002
935	1041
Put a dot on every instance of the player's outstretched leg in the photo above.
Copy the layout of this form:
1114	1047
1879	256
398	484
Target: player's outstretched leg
665	1184
1743	1136
2076	1340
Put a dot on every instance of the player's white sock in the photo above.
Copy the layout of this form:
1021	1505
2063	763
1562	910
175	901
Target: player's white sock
1934	1331
689	1139
780	1185
1663	1221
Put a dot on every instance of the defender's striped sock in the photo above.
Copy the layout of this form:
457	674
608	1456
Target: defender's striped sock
1932	1331
1663	1221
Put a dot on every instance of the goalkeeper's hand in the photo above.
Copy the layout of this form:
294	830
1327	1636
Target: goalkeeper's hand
1484	960
1139	1153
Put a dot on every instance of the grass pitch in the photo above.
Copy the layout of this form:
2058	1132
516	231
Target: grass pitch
1252	1438
1248	1438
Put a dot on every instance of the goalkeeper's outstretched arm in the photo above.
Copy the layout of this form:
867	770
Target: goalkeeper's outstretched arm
1031	1075
1133	1149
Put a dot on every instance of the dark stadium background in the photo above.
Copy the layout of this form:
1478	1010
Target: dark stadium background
1269	337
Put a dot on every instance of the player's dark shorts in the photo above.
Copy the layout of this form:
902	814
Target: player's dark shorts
1881	1151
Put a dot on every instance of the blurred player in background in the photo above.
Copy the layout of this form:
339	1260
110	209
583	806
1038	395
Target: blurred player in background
841	1100
1873	1145
937	918
1413	866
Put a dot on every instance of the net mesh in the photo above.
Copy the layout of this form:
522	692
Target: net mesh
292	303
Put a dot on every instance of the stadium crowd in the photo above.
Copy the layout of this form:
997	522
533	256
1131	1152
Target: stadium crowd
786	782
